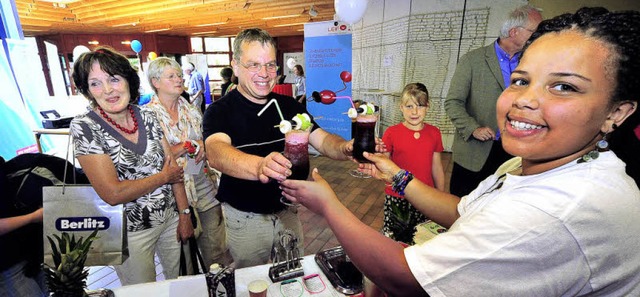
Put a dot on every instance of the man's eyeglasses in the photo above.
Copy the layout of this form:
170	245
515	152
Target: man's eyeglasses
256	67
527	29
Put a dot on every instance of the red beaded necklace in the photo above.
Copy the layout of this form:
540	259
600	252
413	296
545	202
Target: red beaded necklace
123	129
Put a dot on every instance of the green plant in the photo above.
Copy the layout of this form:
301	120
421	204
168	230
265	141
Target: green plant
68	277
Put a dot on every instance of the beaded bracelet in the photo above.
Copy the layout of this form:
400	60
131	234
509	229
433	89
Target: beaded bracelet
400	181
398	177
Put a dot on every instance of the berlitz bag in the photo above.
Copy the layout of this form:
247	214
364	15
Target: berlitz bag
78	210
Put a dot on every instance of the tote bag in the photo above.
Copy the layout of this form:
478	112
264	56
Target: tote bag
78	210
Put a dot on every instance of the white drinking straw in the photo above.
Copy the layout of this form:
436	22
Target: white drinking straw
277	106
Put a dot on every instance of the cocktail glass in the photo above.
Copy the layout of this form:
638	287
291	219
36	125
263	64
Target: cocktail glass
356	172
364	138
296	149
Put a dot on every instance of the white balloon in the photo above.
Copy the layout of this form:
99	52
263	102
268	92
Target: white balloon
79	50
350	11
291	62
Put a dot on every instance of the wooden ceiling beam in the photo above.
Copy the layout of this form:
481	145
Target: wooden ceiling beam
30	10
184	16
133	8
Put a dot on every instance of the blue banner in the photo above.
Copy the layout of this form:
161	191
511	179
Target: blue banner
327	55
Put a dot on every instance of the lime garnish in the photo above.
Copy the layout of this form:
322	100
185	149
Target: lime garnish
303	121
370	108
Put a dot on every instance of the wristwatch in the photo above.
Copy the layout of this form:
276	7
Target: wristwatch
185	211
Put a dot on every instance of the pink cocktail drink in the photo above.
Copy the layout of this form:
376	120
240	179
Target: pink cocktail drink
364	137
296	149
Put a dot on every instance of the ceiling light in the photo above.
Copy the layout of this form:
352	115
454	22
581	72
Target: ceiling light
157	30
126	24
127	42
313	12
280	17
205	32
211	24
93	42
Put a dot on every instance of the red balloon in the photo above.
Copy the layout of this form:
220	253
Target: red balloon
328	97
345	76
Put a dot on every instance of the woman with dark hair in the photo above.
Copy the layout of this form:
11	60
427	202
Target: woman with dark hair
560	219
226	73
300	82
123	151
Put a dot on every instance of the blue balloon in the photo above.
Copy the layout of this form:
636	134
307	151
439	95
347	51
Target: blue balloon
136	46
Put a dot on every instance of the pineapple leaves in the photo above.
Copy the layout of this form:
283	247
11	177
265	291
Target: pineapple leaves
68	276
54	250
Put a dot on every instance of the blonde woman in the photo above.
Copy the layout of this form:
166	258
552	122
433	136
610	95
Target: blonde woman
182	123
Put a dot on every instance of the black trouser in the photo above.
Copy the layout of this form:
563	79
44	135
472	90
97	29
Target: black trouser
463	180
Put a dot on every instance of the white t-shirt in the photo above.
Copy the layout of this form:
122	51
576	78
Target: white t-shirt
571	231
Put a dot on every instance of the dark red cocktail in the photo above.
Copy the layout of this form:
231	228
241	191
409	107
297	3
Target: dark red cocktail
298	154
296	149
364	137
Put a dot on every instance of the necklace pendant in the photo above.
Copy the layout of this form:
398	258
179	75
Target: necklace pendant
592	155
416	135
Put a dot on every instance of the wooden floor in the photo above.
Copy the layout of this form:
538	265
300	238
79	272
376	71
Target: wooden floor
364	197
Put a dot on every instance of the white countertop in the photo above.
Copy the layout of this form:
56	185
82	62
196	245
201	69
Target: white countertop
196	286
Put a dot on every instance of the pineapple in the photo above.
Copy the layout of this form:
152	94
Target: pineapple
68	277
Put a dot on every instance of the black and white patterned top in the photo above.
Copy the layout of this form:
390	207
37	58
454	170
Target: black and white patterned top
93	135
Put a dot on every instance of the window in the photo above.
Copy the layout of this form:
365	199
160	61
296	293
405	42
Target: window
217	44
196	45
218	59
218	51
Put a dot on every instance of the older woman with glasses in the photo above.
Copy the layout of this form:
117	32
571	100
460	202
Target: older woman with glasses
182	124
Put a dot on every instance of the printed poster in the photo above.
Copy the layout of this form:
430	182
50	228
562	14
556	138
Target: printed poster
327	56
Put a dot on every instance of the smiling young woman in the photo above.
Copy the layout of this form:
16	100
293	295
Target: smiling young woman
554	221
560	101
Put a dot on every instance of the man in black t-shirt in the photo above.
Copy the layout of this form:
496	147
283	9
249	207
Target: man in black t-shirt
246	149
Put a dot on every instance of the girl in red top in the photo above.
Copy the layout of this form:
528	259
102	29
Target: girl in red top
416	145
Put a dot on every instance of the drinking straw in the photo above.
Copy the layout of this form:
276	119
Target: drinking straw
350	100
277	106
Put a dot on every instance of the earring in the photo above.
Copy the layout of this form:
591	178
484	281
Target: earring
603	145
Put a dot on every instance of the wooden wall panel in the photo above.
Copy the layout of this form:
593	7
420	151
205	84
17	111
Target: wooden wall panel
172	44
69	42
117	39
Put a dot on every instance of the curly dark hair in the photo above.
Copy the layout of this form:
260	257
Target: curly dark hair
620	31
111	62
